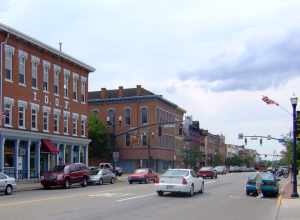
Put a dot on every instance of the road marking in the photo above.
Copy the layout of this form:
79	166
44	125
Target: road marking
210	182
135	197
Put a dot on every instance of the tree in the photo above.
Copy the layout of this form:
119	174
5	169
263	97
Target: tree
289	156
100	147
217	159
192	157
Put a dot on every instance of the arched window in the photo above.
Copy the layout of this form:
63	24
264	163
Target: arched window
144	115
110	117
127	117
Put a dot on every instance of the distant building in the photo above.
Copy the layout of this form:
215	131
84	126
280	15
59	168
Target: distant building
214	147
130	108
43	106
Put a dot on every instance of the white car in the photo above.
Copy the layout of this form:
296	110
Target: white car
7	184
181	181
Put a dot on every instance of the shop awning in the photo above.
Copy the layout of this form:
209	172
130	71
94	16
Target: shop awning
48	146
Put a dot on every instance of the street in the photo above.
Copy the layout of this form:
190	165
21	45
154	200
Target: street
223	198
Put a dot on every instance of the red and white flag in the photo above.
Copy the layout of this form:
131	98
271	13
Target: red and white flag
269	101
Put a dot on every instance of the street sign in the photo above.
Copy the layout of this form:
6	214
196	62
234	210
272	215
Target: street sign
169	126
241	136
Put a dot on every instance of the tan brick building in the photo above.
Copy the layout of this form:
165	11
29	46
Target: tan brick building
135	107
43	104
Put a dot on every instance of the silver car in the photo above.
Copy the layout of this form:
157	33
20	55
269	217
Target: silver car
7	184
101	176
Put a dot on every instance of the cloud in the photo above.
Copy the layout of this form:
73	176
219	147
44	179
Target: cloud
261	64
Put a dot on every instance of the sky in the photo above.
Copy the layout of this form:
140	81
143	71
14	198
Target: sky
214	58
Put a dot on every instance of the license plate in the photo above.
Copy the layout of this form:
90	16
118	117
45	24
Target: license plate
170	187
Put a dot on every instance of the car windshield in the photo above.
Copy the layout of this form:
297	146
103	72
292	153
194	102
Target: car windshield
59	168
141	171
95	171
176	173
205	168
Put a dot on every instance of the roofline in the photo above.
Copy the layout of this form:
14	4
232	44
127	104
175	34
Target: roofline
159	97
45	46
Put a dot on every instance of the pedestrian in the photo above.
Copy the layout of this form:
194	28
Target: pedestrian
258	181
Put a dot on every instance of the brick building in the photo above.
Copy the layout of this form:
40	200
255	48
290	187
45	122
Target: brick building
43	101
214	145
125	109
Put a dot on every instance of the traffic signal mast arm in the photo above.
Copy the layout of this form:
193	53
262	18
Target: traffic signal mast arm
267	137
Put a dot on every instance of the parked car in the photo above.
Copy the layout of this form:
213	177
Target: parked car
7	184
118	170
101	176
66	175
180	181
270	185
207	172
221	169
143	175
234	169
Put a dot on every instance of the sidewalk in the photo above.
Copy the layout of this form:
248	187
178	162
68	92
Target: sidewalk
288	208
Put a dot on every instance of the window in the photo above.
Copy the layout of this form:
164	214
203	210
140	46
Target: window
144	115
56	121
83	125
144	139
34	71
127	139
111	116
75	86
66	122
22	67
8	103
46	120
56	80
34	112
74	124
9	52
83	89
21	114
46	76
127	117
66	82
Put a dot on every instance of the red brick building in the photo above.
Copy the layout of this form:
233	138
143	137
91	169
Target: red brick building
130	108
44	104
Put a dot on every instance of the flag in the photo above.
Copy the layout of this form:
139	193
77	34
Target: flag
269	101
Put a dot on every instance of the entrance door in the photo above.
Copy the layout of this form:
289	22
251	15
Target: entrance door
44	162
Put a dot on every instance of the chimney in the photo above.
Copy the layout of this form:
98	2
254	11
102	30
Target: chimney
103	93
138	90
120	91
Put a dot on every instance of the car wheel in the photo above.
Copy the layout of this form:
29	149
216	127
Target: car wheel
67	183
112	181
247	193
84	182
46	187
146	181
100	181
160	193
8	190
192	191
202	188
130	182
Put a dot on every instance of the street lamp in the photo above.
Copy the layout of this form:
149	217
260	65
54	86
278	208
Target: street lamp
295	194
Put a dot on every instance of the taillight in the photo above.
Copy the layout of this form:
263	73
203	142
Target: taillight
184	182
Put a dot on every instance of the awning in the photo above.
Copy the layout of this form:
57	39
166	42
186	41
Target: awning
48	146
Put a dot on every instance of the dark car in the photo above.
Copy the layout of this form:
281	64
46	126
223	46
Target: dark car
66	175
208	172
269	185
118	170
143	175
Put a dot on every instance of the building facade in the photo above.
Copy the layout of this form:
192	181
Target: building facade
125	109
43	103
215	149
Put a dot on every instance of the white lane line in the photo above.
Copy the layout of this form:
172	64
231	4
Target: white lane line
210	182
135	197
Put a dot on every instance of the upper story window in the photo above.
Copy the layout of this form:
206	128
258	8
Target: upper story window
74	123
56	120
9	52
22	67
46	69
66	82
144	139
127	116
56	80
75	86
83	89
144	115
83	125
66	122
46	111
8	104
34	116
21	113
34	71
127	139
110	117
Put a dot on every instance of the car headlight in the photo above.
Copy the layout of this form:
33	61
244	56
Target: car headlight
42	177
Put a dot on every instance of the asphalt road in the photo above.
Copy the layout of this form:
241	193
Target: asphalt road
223	198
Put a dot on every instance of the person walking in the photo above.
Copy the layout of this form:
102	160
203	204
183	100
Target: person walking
258	181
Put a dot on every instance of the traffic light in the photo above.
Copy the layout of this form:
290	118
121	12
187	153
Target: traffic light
261	141
298	125
246	141
159	130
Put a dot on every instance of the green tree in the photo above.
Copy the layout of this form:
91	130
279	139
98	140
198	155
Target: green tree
217	159
100	147
191	157
289	152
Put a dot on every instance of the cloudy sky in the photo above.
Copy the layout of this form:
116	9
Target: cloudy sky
214	58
